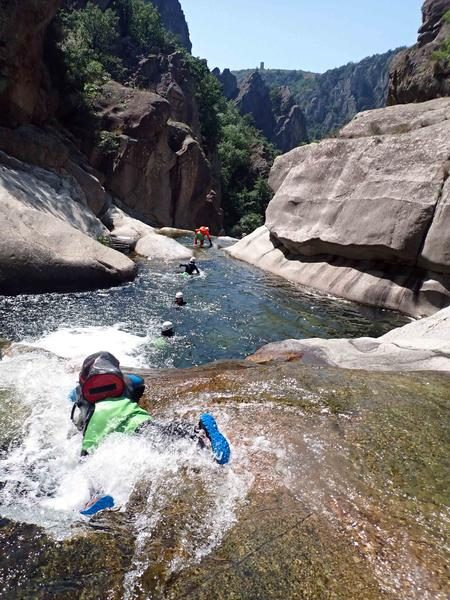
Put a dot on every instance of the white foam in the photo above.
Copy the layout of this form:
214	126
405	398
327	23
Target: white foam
77	343
46	483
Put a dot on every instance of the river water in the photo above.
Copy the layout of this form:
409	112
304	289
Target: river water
232	309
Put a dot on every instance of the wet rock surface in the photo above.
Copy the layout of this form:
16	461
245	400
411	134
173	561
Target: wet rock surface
348	497
419	346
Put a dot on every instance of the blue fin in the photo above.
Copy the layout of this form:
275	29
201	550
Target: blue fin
101	503
219	443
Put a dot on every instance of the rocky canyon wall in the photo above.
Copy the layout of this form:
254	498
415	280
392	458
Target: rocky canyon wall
366	215
60	174
417	74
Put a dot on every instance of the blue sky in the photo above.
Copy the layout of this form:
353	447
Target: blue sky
314	35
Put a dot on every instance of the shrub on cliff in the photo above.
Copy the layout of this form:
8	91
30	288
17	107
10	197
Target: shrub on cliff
92	41
245	189
443	53
89	44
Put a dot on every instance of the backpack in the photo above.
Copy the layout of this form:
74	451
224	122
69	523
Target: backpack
101	377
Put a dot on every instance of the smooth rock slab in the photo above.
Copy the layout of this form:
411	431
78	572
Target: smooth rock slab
419	346
416	293
44	246
368	198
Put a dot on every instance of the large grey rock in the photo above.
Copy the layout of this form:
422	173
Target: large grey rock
51	149
24	185
394	120
146	240
419	346
365	216
368	198
161	247
413	292
46	228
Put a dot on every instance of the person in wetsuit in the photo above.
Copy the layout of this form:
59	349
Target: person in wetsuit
190	268
179	300
106	401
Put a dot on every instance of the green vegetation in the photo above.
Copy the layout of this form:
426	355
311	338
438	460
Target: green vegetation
245	190
105	240
101	45
209	98
443	54
91	42
108	141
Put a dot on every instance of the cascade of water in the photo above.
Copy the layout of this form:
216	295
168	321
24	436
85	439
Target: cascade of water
43	480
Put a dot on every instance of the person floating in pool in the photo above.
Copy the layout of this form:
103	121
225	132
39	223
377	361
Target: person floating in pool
201	234
167	331
106	401
179	300
190	268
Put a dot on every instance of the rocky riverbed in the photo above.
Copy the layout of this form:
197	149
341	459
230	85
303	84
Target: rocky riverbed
337	488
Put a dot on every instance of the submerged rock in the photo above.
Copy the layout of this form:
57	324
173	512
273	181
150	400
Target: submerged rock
173	232
419	346
346	475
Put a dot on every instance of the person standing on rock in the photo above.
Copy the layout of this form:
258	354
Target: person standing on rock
191	267
201	234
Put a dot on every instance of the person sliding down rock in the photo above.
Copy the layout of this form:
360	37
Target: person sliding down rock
191	267
106	401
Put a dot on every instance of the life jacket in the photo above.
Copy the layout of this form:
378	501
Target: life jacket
112	415
204	230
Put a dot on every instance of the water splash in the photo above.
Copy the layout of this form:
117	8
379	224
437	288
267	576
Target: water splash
44	482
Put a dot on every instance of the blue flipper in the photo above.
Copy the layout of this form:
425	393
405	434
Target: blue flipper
101	503
219	443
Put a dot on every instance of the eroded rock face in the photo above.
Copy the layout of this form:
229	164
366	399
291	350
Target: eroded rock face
279	118
254	100
416	75
229	83
365	216
160	171
22	72
290	122
173	19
